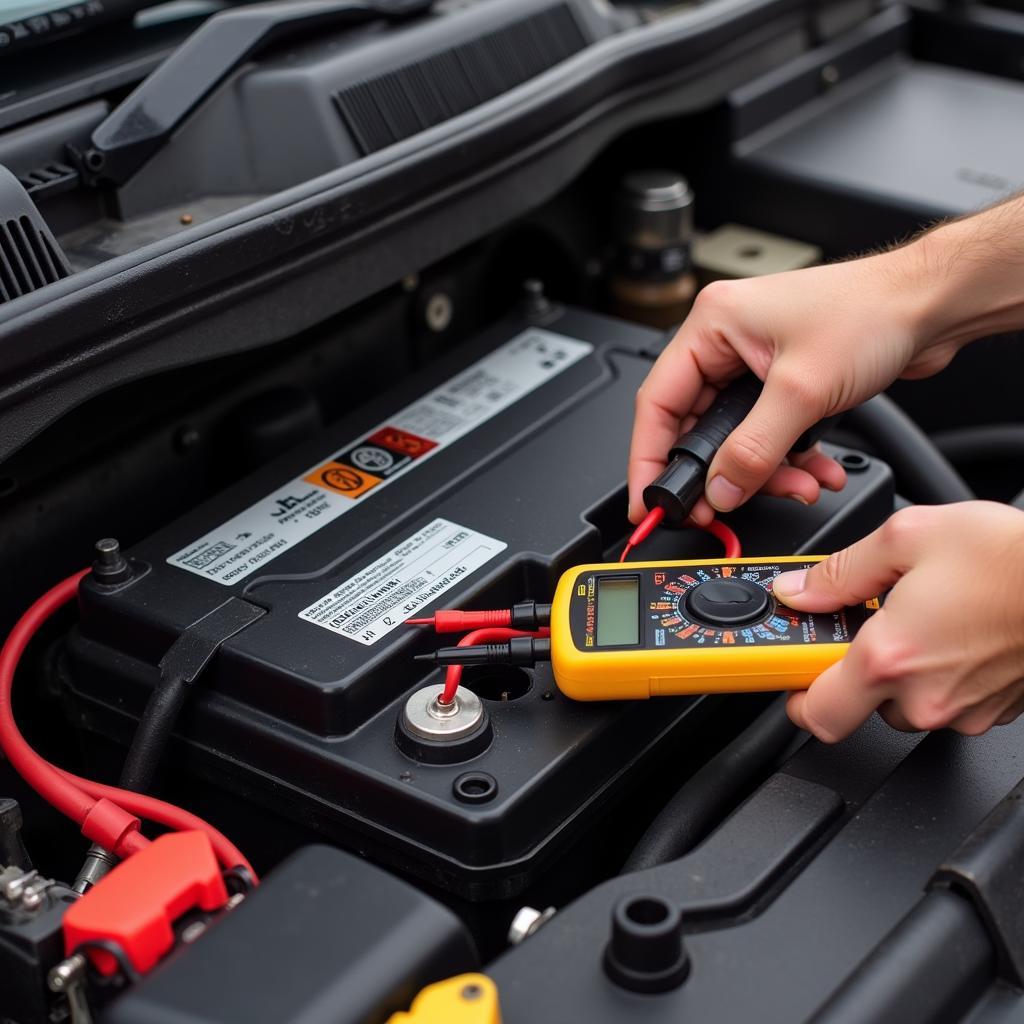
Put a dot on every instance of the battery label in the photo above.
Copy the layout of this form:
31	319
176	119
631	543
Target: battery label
408	578
397	446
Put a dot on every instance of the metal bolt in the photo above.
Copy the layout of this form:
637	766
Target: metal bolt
98	863
108	551
829	75
441	711
110	565
472	992
536	301
192	931
32	897
15	887
66	973
186	218
438	312
526	922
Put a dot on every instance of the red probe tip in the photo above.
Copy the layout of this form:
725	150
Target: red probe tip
420	622
644	530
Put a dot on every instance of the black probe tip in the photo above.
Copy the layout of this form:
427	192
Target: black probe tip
432	656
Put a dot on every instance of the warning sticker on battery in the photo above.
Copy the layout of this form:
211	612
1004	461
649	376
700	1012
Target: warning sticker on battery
397	446
408	578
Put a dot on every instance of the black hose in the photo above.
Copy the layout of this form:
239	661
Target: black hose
923	473
144	755
992	442
184	662
153	733
702	801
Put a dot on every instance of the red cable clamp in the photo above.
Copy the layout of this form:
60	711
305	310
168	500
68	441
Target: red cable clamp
136	905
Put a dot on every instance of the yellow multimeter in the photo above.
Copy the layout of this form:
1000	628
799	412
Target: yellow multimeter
622	631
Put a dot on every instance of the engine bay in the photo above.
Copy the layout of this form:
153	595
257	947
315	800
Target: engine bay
338	317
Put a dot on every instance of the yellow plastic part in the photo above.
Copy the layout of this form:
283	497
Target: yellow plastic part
642	673
464	999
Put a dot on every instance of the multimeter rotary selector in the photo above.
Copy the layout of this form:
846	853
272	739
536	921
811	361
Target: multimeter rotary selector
648	629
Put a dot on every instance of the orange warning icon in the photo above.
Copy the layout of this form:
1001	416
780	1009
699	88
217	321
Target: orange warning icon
346	480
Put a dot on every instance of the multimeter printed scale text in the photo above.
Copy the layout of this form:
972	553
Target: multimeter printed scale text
700	606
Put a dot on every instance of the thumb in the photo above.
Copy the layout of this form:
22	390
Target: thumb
857	573
758	446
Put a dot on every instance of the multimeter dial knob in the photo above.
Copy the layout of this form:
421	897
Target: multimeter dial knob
728	602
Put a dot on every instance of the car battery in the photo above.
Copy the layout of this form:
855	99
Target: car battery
472	484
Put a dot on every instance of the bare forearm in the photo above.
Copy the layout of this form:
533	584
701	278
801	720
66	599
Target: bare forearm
969	274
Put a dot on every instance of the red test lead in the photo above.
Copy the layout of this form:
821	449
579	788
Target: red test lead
107	815
480	636
643	531
733	548
525	615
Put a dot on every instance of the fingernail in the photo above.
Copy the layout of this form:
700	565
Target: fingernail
798	497
723	494
789	584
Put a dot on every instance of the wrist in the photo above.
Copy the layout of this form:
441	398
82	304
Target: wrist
965	278
937	292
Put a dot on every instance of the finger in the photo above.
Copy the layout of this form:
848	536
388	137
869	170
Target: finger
794	708
893	716
789	482
679	383
1012	713
989	712
702	513
857	573
980	718
844	695
666	396
826	470
757	447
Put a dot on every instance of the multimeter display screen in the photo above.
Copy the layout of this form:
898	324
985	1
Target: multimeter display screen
618	611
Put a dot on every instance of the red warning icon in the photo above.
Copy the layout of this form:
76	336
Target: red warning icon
402	441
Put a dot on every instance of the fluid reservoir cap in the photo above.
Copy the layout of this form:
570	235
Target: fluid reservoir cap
436	733
728	602
654	210
657	190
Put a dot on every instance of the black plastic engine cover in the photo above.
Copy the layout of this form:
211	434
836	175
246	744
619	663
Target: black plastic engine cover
302	717
325	938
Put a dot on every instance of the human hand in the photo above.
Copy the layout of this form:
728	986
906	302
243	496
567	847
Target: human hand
822	340
947	647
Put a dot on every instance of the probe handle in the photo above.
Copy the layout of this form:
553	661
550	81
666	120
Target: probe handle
680	485
723	416
726	413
